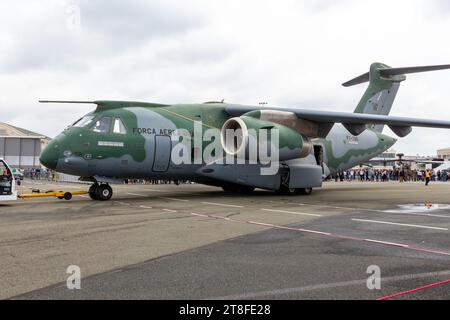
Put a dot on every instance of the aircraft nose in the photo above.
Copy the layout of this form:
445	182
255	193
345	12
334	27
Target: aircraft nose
50	155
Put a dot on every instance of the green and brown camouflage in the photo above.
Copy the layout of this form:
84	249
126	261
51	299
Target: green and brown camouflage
341	150
125	139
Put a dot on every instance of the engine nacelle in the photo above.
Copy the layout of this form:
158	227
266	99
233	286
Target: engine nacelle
244	136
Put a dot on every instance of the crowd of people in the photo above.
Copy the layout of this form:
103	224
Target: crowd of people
386	175
155	181
50	175
39	174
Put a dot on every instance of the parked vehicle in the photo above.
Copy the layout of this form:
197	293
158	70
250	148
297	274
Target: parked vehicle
8	190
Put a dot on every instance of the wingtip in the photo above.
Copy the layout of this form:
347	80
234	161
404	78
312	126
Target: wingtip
67	101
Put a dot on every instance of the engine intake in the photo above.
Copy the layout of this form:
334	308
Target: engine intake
244	137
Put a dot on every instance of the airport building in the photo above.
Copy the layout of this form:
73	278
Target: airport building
444	154
390	159
385	160
21	148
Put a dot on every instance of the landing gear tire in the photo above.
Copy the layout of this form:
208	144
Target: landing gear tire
293	191
287	191
104	192
305	191
93	191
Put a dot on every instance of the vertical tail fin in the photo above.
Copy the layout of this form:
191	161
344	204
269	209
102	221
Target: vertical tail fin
384	83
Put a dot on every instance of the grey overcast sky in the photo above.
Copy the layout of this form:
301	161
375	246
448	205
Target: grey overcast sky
289	53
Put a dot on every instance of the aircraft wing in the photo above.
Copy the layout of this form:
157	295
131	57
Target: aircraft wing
355	123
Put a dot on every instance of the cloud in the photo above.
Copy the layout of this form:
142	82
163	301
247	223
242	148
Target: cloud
290	53
71	36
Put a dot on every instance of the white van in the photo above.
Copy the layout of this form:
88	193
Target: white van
8	190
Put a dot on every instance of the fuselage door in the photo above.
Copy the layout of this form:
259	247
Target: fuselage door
318	154
163	148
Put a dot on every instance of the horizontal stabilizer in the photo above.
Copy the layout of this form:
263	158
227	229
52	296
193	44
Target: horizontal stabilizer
358	80
399	71
386	71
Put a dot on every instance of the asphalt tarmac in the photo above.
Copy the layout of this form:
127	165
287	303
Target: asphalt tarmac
195	242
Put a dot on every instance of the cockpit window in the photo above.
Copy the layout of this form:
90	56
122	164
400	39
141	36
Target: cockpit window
102	125
83	121
119	127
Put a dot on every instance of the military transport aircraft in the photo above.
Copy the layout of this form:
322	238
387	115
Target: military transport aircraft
136	140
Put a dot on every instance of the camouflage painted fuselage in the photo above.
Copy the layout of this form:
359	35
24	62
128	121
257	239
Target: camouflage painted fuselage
143	152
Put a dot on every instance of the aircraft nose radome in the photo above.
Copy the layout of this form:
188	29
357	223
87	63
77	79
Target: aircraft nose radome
50	155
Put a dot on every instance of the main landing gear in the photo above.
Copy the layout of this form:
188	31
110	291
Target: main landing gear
294	191
284	187
100	192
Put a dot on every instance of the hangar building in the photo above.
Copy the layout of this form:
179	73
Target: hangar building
444	154
21	148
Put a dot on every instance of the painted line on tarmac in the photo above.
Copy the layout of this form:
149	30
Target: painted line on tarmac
399	294
315	205
174	199
137	194
284	291
401	224
333	235
368	210
153	190
388	243
344	237
222	204
123	203
145	207
288	228
391	212
292	212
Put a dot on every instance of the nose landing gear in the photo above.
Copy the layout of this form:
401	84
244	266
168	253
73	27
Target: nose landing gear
100	192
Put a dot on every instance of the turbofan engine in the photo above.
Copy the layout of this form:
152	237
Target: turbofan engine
244	136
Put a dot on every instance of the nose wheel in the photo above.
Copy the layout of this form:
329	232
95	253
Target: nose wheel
100	192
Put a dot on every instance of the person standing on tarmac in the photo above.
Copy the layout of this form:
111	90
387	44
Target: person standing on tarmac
427	177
